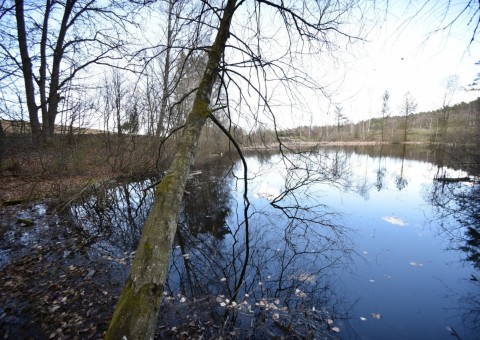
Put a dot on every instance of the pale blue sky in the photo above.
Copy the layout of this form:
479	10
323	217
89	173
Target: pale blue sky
404	49
405	54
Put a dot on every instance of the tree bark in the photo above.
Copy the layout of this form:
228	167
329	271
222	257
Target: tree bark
53	95
27	69
136	313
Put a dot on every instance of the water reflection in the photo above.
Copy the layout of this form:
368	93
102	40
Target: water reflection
110	218
400	180
291	251
456	202
280	265
280	275
381	170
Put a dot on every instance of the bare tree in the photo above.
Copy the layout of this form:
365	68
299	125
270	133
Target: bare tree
385	111
114	98
137	308
340	119
450	87
408	108
311	27
49	45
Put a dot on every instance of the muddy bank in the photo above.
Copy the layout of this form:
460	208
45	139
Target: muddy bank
52	284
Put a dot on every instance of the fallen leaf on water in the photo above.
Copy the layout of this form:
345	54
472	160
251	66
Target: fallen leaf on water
363	318
330	321
299	293
90	274
183	299
371	280
54	308
415	264
377	316
336	329
276	316
223	279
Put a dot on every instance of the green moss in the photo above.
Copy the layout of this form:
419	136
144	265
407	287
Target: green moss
133	312
167	184
200	108
147	252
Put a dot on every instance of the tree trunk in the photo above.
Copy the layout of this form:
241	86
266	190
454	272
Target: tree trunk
27	70
53	95
136	313
2	146
42	80
166	73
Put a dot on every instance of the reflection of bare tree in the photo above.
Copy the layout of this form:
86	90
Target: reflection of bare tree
288	272
459	204
207	192
293	245
457	207
400	180
276	271
381	171
113	214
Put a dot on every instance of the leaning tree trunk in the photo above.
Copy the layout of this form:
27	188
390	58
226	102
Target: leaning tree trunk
136	313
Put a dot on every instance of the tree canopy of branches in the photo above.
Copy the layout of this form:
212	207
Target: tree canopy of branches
244	57
48	45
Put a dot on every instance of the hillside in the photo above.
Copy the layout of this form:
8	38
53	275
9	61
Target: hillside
458	124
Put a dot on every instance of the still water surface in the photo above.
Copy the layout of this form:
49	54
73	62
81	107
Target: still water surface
350	243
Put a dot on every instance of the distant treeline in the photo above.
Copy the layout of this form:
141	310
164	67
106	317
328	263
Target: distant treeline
458	124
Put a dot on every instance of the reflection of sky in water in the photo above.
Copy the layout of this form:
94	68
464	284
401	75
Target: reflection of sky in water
403	270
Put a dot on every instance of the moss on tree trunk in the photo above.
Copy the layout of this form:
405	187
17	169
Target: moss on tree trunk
136	313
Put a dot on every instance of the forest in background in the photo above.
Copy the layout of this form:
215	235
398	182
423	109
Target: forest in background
454	125
91	153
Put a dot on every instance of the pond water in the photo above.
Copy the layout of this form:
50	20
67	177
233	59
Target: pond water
367	242
408	245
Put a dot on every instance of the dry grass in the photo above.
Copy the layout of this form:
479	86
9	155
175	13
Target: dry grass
65	166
